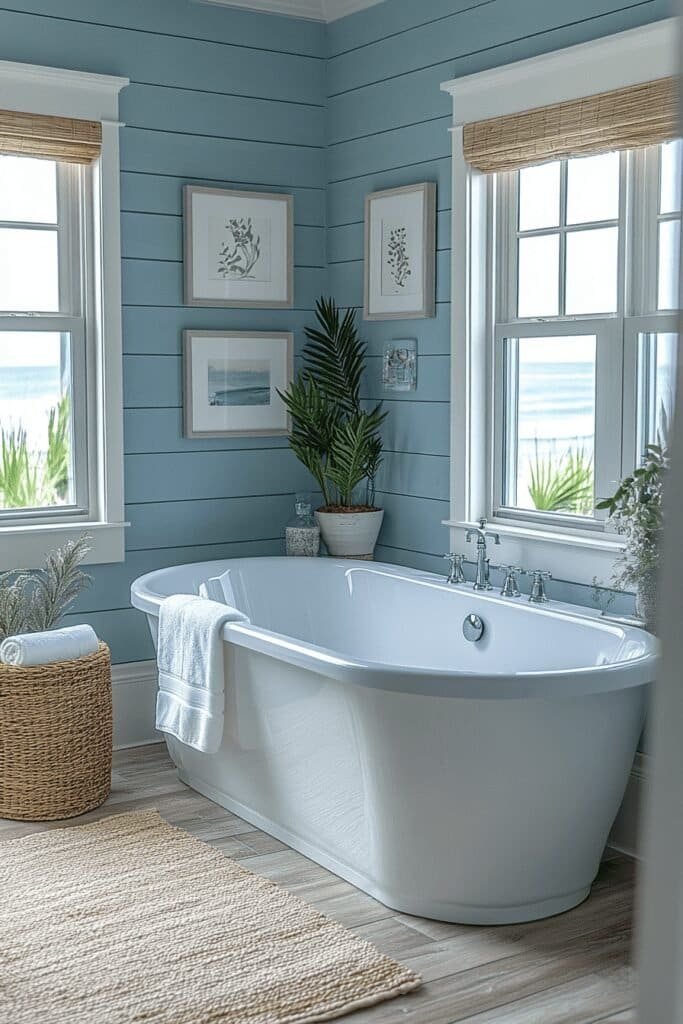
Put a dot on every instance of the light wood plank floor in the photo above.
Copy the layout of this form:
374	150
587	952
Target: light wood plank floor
570	969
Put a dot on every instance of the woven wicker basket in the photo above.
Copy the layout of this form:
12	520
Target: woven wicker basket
55	738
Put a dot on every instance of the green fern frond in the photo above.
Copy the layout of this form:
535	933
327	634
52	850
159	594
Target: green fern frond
334	356
34	601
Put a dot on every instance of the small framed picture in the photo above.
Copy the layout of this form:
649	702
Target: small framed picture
238	248
400	253
231	382
399	365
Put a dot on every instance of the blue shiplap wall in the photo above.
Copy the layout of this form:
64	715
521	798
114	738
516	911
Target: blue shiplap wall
228	97
387	125
221	97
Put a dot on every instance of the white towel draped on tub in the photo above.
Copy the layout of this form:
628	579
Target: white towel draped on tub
191	674
29	649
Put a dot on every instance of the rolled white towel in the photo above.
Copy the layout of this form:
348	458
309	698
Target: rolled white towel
28	649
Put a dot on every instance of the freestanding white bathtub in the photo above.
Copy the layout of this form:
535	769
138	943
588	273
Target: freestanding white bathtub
467	781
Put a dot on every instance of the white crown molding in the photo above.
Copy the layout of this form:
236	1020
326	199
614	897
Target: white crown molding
335	9
313	10
626	58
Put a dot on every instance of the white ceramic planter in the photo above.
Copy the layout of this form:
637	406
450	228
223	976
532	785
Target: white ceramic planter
350	534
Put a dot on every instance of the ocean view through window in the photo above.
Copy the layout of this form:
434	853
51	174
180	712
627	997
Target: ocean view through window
585	264
42	338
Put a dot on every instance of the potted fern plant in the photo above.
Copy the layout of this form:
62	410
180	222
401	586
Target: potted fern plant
334	436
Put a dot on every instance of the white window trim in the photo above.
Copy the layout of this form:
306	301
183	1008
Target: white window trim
62	93
628	58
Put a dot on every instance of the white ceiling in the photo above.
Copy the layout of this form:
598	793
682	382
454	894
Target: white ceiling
317	10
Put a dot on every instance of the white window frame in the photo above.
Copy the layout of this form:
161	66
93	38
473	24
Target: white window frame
628	58
25	539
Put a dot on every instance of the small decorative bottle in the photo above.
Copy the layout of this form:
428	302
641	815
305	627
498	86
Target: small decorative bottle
302	533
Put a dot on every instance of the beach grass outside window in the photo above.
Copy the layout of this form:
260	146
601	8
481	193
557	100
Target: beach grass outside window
45	256
585	265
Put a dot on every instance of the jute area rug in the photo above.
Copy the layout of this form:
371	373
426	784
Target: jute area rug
131	920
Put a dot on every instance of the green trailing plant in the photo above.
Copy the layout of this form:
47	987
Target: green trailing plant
563	484
635	509
34	480
332	434
32	601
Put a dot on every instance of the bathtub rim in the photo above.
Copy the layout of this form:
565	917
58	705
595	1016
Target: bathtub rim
562	682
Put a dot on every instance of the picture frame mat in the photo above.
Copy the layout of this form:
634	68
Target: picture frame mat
202	420
256	292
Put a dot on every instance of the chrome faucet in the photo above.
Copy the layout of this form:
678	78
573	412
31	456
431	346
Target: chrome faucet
483	562
538	594
456	574
510	586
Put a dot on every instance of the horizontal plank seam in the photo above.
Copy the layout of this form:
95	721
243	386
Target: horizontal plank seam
144	84
452	62
191	179
167	35
127	128
179	262
386	170
226	497
394	128
407	31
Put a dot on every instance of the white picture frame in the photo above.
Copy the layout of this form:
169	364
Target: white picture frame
400	253
231	381
238	248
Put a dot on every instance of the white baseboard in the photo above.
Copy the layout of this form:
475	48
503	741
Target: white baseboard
134	689
625	835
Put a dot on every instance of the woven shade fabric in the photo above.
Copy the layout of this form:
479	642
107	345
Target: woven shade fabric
639	115
50	138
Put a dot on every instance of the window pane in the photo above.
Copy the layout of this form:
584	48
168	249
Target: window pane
538	293
539	197
593	188
668	268
550	424
657	371
670	177
36	467
29	276
28	190
592	271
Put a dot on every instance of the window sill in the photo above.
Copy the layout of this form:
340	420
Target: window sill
25	547
579	557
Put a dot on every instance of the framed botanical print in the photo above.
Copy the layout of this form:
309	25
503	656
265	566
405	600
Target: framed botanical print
231	382
238	248
400	253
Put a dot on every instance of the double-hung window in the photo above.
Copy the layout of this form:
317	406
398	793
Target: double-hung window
566	232
45	295
586	267
61	457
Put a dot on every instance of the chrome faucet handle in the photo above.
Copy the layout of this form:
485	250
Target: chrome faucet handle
481	533
538	578
456	574
510	586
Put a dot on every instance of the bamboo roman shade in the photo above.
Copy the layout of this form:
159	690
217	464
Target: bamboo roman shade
638	115
53	138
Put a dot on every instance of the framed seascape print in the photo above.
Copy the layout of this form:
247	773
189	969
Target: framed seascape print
400	253
231	382
238	248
